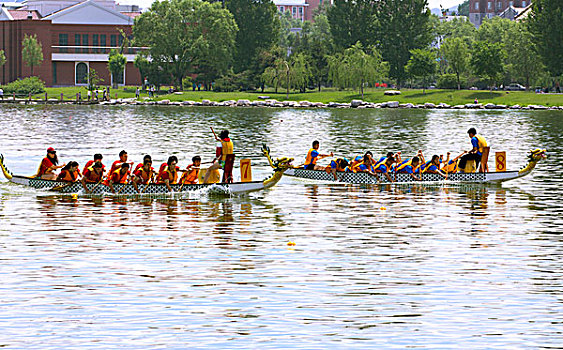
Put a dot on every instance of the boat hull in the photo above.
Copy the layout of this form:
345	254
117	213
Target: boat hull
365	178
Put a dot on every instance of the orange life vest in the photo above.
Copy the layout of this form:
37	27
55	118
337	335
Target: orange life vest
68	176
117	178
167	175
190	177
91	176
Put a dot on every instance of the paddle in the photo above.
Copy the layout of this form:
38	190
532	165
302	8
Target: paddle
148	182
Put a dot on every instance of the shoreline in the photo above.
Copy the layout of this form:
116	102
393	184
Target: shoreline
273	103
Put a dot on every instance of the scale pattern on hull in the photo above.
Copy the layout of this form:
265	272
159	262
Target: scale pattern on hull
365	178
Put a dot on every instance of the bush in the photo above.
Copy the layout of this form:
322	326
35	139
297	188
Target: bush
449	81
234	82
32	85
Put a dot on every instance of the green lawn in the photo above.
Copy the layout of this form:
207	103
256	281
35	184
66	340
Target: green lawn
415	96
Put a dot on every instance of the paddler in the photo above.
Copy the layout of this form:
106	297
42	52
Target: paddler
93	174
69	173
366	166
478	142
190	177
117	164
313	155
433	167
144	174
385	168
338	164
140	165
409	166
169	175
48	165
119	176
450	165
97	159
224	157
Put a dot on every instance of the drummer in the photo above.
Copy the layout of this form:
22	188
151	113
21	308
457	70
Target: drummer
48	165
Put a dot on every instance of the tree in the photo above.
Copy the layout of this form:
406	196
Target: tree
494	30
2	58
463	9
355	67
352	21
185	33
520	54
545	23
422	64
157	73
300	72
486	61
32	51
274	73
403	25
116	65
250	15
456	53
93	80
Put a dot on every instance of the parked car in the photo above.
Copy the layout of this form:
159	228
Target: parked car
473	88
515	87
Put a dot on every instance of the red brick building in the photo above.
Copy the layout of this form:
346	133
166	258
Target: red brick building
299	9
75	38
482	9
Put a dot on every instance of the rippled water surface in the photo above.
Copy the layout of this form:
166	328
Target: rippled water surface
444	266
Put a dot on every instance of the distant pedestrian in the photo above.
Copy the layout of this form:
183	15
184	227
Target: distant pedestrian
137	92
2	94
96	94
89	95
476	101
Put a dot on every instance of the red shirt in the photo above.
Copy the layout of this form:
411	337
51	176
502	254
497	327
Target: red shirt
143	175
44	166
117	178
92	176
172	178
88	164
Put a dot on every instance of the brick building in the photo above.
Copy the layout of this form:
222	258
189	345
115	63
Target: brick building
76	37
481	9
299	9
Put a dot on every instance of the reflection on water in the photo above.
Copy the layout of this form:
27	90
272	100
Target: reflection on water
431	266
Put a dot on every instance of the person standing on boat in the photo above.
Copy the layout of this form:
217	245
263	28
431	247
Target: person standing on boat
144	174
224	158
119	176
169	175
313	155
69	172
478	142
48	165
97	159
117	164
93	174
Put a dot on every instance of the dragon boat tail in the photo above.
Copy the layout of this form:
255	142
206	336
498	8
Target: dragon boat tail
364	178
279	165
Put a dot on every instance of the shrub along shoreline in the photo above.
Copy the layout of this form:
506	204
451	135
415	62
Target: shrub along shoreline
373	98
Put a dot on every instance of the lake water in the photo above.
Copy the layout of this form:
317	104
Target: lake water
435	267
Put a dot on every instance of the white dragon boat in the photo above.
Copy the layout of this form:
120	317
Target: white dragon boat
154	190
365	178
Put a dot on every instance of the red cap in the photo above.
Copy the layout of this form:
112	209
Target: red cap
50	149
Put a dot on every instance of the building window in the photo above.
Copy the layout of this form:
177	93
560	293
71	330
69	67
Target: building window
301	12
511	3
294	11
54	73
85	42
81	73
102	42
63	41
476	6
113	41
499	5
524	4
77	42
489	5
282	9
95	42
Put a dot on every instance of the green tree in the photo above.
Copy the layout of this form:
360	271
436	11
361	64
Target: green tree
546	23
463	9
157	73
185	33
116	65
2	58
494	30
486	61
276	72
456	53
355	67
403	25
93	79
300	72
352	21
258	29
422	64
521	57
32	51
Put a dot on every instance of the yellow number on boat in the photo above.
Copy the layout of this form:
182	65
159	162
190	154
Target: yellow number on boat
500	161
245	170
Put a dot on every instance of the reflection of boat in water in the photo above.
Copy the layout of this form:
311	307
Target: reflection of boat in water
364	178
155	190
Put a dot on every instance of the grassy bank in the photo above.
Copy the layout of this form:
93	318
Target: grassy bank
415	96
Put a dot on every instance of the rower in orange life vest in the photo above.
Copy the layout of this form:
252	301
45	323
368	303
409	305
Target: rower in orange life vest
69	173
224	148
170	174
451	164
409	166
338	164
144	174
192	172
122	159
366	166
97	159
313	155
433	167
94	174
48	165
119	176
478	142
385	168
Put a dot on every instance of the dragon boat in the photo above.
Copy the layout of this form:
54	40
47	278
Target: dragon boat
154	190
459	177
